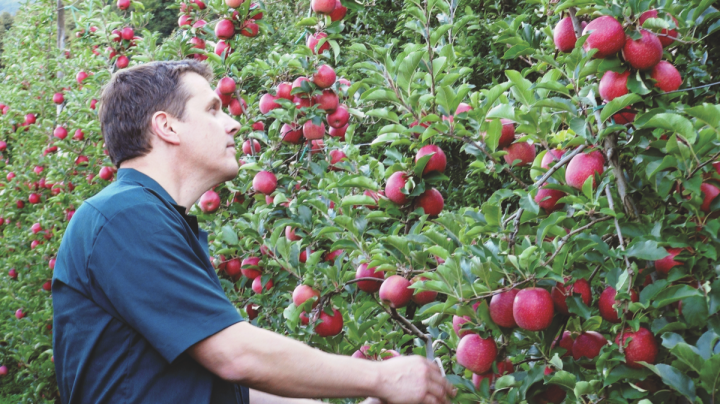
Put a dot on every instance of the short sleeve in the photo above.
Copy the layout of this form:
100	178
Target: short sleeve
157	281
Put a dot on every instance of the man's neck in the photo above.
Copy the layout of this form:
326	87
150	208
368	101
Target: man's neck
183	188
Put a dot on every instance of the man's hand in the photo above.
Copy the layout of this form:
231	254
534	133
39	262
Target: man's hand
413	380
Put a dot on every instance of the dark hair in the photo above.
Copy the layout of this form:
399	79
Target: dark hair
133	95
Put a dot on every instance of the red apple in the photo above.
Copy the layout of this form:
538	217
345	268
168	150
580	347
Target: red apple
504	367
123	4
437	162
60	132
501	308
552	156
338	12
209	201
425	297
257	285
548	199
666	76
79	135
234	3
107	174
644	53
395	185
265	182
303	293
248	149
364	272
336	156
523	151
283	91
225	29
327	101
362	353
234	269
338	132
606	302
330	325
12	273
582	166
560	293
250	29
304	255
566	342
431	202
58	98
237	106
252	311
182	20
34	198
332	255
476	354
666	37
127	33
394	291
226	85
709	192
312	131
290	234
533	309
19	314
564	35
3	370
314	39
322	6
664	265
250	267
325	76
606	35
588	344
339	117
122	62
258	126
642	347
613	85
222	46
289	134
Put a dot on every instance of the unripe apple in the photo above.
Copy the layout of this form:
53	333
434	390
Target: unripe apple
437	162
364	272
209	201
338	12
533	309
322	6
613	85
225	29
289	134
588	344
313	40
283	91
338	132
226	85
644	53
666	76
327	101
560	293
339	117
431	202
233	269
58	98
476	354
394	186
582	166
548	199
566	342
664	265
248	149
267	103
501	308
394	292
666	37
642	347
123	4
425	297
330	325
106	173
60	132
257	285
312	131
325	76
250	267
250	29
606	302
606	35
303	293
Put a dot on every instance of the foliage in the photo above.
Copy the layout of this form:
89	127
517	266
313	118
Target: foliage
408	62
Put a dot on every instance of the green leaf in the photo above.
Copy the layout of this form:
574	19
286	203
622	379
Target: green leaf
229	236
492	213
421	163
686	354
307	22
358	181
407	69
646	250
492	137
576	305
617	104
673	294
358	200
675	379
673	123
521	87
563	378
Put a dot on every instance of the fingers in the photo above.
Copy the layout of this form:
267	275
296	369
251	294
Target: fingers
439	387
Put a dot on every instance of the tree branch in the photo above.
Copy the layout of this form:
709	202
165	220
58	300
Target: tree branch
711	160
572	233
482	149
614	160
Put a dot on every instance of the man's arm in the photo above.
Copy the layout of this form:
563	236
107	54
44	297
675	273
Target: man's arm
269	362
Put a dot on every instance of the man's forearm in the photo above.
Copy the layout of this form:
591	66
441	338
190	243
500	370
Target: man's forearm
259	397
272	363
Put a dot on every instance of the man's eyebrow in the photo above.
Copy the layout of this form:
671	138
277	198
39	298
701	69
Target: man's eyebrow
213	102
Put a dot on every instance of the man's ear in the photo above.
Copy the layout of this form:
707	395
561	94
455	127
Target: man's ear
162	126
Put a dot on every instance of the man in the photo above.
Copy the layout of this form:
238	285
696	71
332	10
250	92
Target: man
139	313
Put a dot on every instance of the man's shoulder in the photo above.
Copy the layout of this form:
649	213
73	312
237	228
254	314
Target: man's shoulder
120	197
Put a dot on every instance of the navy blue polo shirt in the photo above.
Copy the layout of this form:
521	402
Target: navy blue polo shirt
133	289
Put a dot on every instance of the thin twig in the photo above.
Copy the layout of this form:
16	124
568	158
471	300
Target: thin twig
482	149
564	160
711	160
572	233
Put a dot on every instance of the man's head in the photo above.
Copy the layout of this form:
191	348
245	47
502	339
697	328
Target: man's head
168	106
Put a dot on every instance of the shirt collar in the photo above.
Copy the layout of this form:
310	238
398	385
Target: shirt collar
133	175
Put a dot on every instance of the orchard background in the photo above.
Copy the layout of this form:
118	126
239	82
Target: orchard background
501	99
